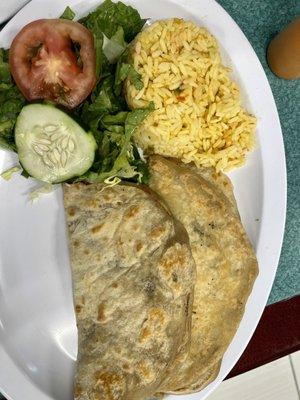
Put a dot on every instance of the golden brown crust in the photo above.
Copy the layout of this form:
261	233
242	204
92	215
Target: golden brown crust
131	293
225	262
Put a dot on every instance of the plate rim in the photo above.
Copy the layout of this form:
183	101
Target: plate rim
267	214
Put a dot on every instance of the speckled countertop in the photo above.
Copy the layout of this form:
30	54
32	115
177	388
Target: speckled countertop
260	20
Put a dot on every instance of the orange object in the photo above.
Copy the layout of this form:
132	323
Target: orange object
284	52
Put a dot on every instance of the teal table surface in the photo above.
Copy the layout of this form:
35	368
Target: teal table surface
261	20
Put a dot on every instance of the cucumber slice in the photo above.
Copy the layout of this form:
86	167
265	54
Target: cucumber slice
51	146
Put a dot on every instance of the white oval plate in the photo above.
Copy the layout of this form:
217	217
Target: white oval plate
38	341
7	9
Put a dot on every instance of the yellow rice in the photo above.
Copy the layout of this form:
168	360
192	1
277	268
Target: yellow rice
198	114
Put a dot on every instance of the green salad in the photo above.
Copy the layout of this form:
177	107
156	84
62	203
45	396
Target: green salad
63	110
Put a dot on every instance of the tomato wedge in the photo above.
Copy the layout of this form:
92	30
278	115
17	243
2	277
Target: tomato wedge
54	59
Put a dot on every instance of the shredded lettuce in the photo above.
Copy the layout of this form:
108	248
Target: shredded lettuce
113	26
109	16
103	101
135	118
125	71
116	119
118	37
102	64
105	112
112	181
36	193
112	49
8	174
5	77
11	103
117	156
68	14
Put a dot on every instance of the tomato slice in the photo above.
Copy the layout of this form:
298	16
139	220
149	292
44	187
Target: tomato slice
54	59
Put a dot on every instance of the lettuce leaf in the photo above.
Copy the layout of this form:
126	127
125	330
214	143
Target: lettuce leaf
41	190
11	103
112	24
117	156
5	77
123	71
103	101
105	112
136	117
8	173
114	47
118	37
116	119
109	16
68	14
92	24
